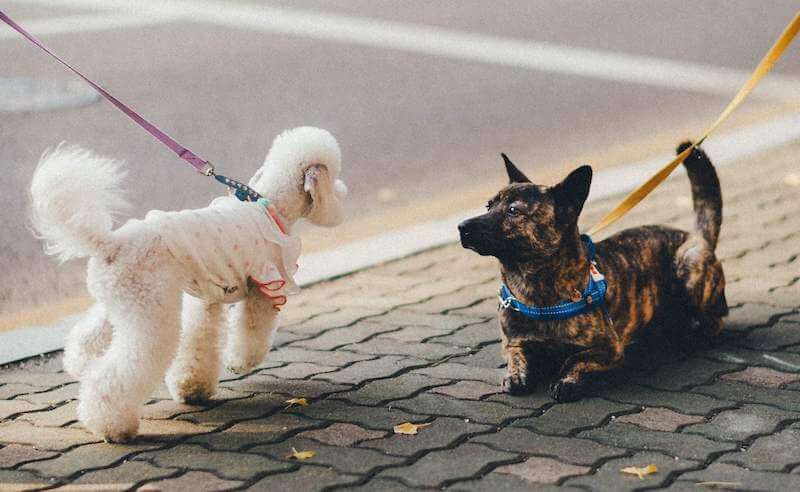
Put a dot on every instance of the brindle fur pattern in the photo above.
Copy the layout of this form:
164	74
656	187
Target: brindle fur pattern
654	274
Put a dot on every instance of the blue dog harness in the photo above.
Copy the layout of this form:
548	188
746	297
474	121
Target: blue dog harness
592	297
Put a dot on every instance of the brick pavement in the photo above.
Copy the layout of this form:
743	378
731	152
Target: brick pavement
416	340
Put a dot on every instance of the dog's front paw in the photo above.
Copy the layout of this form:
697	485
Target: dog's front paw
566	390
516	384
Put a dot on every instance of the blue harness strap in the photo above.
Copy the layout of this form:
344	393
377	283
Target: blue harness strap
592	297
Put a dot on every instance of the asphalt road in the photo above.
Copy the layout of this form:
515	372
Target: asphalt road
421	95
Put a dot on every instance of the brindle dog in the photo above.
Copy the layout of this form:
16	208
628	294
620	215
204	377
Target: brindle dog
655	274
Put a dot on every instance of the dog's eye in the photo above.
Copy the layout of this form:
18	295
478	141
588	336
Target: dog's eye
513	211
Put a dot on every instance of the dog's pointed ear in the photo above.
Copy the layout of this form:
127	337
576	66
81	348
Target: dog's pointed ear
571	193
514	174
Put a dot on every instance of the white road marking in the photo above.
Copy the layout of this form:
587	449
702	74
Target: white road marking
460	45
104	21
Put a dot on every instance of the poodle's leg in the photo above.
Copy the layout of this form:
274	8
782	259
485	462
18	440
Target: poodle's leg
145	314
87	341
194	373
250	333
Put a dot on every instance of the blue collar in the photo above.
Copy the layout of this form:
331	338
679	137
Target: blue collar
593	296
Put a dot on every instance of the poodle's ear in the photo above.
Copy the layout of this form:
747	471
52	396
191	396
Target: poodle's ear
326	196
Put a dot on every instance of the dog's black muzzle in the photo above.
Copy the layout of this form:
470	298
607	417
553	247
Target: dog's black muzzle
473	235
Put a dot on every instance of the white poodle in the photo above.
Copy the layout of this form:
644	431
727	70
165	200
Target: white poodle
160	283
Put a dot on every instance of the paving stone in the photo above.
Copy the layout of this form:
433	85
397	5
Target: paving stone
609	477
385	390
13	454
307	478
780	334
37	379
336	319
339	337
436	468
411	334
58	395
124	475
445	302
781	361
166	409
660	419
742	478
684	373
336	358
343	459
9	408
225	464
762	376
10	390
467	390
403	318
750	315
442	432
542	470
776	452
380	485
687	446
168	430
370	369
247	408
681	402
193	481
567	418
288	388
472	335
57	417
254	432
75	460
385	346
297	370
341	434
533	401
488	356
55	439
745	393
25	480
377	418
484	308
569	450
485	412
459	372
742	423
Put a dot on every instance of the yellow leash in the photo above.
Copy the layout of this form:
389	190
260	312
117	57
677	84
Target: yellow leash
761	70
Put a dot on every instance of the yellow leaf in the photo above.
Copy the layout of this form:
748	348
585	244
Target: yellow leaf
408	428
792	179
300	455
297	401
640	472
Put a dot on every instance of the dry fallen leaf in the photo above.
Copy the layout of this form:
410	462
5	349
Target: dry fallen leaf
408	428
640	472
300	455
297	401
792	179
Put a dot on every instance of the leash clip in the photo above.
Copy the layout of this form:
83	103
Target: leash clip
208	169
505	303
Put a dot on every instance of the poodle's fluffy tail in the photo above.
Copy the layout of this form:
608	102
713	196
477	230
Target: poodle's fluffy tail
76	196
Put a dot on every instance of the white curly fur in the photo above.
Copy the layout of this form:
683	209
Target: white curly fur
143	325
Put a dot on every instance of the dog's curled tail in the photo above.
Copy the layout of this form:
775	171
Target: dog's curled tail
76	196
706	193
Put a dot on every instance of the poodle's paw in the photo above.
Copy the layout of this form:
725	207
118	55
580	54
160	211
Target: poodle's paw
242	363
190	390
517	384
117	426
566	390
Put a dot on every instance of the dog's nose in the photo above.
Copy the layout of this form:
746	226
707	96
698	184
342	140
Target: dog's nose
463	228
